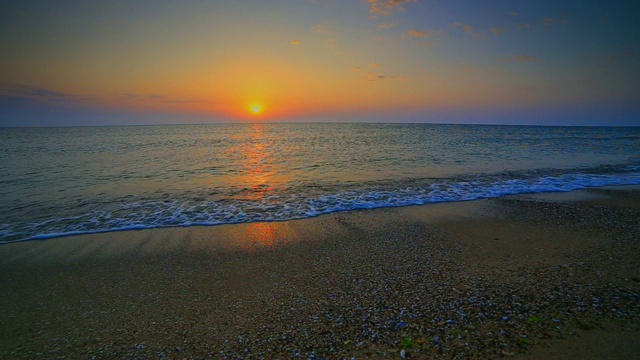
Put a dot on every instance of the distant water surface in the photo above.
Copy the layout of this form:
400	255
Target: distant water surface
62	181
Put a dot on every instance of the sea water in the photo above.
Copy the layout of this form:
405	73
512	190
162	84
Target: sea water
63	181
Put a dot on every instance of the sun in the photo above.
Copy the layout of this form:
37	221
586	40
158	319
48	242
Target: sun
255	108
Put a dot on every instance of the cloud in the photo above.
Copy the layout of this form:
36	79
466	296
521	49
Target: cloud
518	58
295	42
320	28
469	30
497	31
549	21
524	57
374	76
387	25
162	98
189	101
130	96
419	33
32	96
22	92
385	7
370	76
524	26
513	13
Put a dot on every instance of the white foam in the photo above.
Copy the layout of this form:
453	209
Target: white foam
156	214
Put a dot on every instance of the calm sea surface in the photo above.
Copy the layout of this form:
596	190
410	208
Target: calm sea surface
61	181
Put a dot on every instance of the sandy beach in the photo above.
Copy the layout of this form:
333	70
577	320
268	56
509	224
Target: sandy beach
552	276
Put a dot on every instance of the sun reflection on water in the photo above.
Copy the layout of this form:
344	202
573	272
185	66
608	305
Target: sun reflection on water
257	164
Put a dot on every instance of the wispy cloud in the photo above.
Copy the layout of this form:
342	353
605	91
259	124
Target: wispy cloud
549	21
130	96
497	31
295	42
385	7
622	58
387	25
190	101
32	94
518	58
375	76
513	13
22	92
370	76
162	99
467	28
525	57
420	33
524	26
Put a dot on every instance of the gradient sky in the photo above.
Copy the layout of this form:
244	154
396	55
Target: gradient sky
494	61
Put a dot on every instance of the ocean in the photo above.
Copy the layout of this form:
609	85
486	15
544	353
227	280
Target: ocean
65	181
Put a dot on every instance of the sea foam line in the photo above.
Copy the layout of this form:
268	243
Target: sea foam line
163	214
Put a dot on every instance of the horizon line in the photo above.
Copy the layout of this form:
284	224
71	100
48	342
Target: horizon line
313	122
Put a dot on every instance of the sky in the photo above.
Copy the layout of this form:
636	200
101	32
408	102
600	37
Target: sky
69	63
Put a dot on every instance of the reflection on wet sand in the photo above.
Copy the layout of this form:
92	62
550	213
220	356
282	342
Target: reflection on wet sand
266	235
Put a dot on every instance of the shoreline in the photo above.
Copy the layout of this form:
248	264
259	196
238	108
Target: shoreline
340	285
572	195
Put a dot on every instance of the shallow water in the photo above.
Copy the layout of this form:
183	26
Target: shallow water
61	181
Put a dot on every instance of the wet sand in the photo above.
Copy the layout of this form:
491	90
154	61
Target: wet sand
553	276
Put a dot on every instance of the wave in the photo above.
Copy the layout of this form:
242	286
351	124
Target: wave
189	211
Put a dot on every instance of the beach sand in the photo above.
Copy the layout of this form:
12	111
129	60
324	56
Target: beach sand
553	276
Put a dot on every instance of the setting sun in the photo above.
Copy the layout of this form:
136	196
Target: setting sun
255	108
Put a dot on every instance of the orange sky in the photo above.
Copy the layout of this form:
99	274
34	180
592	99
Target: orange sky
299	60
